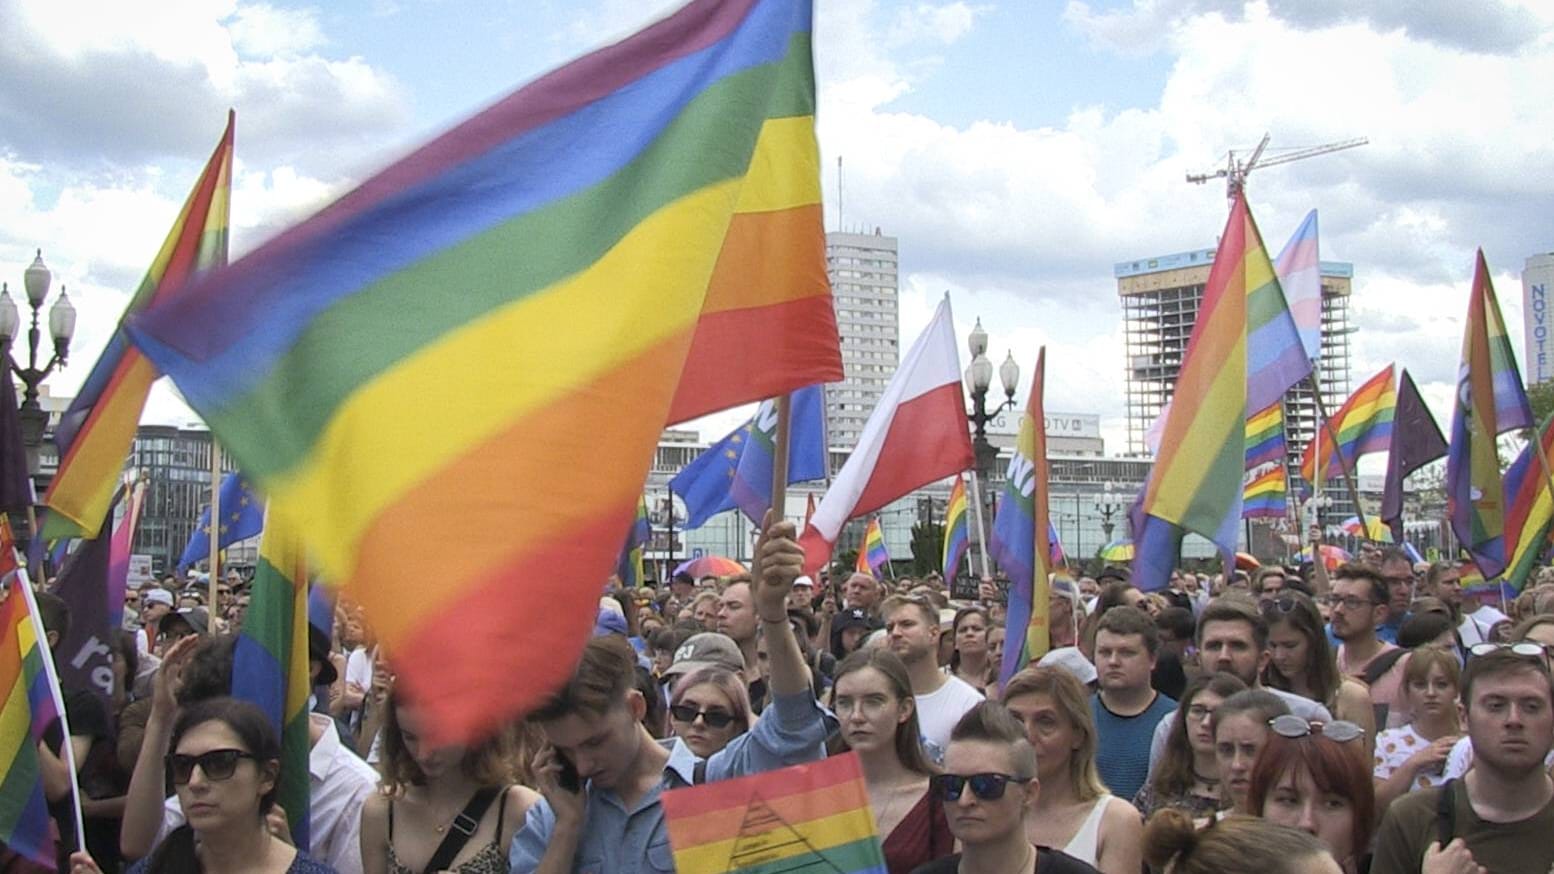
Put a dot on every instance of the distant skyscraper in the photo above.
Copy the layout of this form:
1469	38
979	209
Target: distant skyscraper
1537	288
865	286
1160	298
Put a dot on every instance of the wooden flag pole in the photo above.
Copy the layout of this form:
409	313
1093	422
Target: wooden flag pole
780	458
1543	459
215	523
976	506
1354	490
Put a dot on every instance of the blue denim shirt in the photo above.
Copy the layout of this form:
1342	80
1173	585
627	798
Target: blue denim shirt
615	840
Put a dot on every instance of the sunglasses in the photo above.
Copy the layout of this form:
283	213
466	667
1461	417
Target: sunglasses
1283	604
713	718
987	787
215	765
1291	726
1524	648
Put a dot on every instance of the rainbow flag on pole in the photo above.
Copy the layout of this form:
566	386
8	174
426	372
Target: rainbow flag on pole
1490	400
875	555
95	433
1021	539
1530	512
807	819
1265	437
637	232
1196	481
957	529
629	570
1264	495
270	664
1363	425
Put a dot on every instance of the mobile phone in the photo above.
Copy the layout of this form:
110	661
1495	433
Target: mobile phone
568	779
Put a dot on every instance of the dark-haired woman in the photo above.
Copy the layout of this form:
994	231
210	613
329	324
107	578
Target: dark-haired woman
1301	662
1188	773
428	790
873	700
225	767
969	660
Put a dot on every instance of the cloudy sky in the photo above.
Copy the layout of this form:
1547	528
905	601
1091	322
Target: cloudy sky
1017	149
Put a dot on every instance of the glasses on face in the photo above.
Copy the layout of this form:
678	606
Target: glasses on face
215	765
1522	648
987	786
1291	726
713	718
1353	602
1198	713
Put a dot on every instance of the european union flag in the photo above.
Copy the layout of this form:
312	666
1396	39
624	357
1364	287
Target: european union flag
752	484
705	483
242	516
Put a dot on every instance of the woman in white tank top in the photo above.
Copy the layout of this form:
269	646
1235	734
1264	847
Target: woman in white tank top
1073	811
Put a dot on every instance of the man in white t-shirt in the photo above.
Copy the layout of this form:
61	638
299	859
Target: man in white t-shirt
912	633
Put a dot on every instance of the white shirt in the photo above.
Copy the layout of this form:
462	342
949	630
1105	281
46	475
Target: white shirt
358	668
339	783
1394	747
938	711
1476	625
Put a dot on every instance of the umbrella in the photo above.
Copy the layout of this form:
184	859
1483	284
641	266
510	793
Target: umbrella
1118	550
1332	556
711	566
1245	561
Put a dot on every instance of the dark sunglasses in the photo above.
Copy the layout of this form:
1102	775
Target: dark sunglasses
1291	726
987	787
215	765
1282	604
1523	648
714	718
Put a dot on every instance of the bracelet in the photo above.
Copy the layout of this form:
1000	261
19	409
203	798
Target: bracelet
782	621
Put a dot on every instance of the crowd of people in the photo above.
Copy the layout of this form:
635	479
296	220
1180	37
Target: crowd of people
1374	718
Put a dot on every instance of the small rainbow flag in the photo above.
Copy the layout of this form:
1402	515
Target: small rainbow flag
1022	538
957	530
807	819
1263	497
94	434
1363	425
639	232
1530	514
629	569
874	551
1265	437
1490	400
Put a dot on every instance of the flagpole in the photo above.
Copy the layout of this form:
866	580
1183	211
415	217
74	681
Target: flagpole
24	585
215	521
976	503
1543	459
780	458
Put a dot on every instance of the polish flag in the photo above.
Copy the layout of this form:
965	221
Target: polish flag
917	435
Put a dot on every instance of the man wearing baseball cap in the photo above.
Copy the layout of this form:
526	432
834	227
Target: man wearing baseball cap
155	603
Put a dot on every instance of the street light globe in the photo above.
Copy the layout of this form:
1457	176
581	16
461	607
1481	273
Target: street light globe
1009	375
981	374
36	281
62	321
978	341
9	319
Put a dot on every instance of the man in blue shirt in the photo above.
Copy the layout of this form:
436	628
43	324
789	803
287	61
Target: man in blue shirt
1127	708
613	821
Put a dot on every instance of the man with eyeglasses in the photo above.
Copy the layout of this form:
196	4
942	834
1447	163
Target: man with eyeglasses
912	630
988	787
1500	816
1360	598
1397	571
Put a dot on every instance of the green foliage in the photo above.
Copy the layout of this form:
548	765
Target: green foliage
1541	397
927	547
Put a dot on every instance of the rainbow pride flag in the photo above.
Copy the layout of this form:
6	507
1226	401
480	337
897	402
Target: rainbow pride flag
1265	437
1529	514
957	529
1490	400
94	435
270	664
638	232
875	555
1363	425
30	705
1264	495
1021	539
629	569
807	819
1196	481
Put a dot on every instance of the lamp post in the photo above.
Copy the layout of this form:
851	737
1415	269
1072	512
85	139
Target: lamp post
1107	506
62	324
979	378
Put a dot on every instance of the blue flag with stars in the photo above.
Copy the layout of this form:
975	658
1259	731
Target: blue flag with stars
705	485
242	516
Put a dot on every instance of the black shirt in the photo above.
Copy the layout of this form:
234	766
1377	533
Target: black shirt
1048	861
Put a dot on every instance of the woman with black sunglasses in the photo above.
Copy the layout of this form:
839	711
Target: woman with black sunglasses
225	767
1300	661
708	708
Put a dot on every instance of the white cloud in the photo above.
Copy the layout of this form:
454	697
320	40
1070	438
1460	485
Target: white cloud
942	23
263	30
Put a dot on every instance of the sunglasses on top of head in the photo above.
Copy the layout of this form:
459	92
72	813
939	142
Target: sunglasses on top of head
1291	726
1522	648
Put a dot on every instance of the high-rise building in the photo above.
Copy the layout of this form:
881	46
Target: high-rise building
865	287
1160	298
1537	284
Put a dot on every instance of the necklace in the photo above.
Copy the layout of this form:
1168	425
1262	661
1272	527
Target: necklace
445	820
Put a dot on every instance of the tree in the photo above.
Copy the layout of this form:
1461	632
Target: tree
927	547
1541	396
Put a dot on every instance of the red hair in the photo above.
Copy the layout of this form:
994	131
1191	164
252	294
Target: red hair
1338	768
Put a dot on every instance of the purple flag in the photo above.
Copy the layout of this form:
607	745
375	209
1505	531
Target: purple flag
1416	441
82	656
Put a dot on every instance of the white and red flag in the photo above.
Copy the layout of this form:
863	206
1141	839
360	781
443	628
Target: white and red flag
917	435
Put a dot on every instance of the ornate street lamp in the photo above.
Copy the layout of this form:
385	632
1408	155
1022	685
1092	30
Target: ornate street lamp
1107	506
62	324
979	378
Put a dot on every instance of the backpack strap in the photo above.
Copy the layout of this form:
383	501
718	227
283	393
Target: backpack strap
1446	812
698	771
464	826
1381	664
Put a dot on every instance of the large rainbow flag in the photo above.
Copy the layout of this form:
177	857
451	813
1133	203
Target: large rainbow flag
30	705
1362	425
1021	538
270	664
957	529
806	819
638	232
1529	513
1196	481
1490	400
94	435
875	554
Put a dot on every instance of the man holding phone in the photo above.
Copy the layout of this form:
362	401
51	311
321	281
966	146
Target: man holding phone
613	822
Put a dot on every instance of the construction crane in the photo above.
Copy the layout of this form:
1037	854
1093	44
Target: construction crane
1235	170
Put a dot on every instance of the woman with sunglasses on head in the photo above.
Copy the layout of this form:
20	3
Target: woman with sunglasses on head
450	808
872	698
1073	810
1300	661
708	708
1187	775
969	660
1240	726
225	767
1414	756
1316	777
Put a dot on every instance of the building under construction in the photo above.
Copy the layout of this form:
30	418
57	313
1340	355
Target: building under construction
1160	298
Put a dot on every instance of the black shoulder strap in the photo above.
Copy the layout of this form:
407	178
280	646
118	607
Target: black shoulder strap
1382	664
464	825
1446	813
698	771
